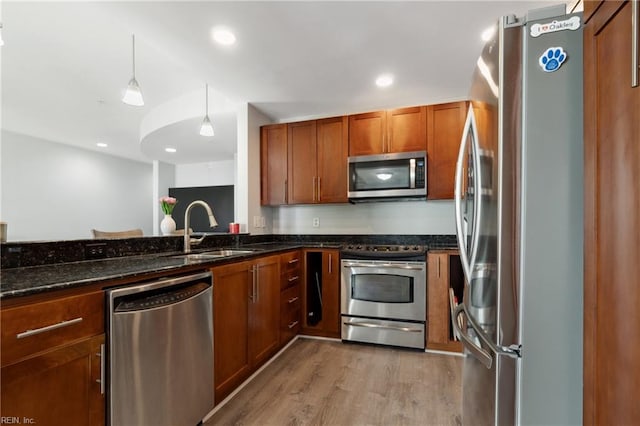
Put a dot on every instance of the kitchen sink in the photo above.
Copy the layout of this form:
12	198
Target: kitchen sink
223	253
209	255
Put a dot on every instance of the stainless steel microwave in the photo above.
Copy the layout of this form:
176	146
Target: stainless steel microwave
382	177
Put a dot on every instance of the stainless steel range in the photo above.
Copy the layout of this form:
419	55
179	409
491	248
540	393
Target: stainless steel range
384	295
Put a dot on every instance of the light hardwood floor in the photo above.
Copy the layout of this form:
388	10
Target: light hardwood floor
317	382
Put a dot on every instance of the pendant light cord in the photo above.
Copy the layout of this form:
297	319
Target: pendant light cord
206	97
133	41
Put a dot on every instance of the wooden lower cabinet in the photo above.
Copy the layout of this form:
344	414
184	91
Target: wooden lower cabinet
290	313
321	282
60	386
231	287
246	320
290	295
444	271
264	310
52	375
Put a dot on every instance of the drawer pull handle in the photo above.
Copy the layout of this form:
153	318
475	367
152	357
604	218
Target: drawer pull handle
48	328
383	327
293	278
293	299
293	261
293	324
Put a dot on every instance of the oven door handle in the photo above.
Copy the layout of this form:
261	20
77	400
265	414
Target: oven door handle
383	265
384	327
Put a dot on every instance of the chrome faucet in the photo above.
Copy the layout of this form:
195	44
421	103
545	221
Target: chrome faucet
187	216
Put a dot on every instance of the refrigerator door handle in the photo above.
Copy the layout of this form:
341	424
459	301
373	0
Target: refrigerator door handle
479	353
466	260
512	351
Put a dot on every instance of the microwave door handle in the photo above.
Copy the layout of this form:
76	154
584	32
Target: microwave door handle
462	244
412	173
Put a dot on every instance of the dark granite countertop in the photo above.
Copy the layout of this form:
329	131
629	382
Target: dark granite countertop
149	257
15	282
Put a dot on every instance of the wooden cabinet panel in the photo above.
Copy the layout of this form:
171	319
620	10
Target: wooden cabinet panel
332	149
302	169
380	132
290	313
612	224
407	129
264	310
445	123
232	286
273	165
59	386
290	264
322	265
331	293
366	133
305	162
444	271
59	321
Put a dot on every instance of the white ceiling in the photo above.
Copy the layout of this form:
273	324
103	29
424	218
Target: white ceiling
65	65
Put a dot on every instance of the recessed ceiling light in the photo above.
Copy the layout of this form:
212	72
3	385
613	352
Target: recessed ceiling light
384	80
172	150
102	145
488	33
224	36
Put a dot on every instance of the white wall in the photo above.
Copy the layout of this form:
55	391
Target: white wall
52	191
211	173
256	213
401	217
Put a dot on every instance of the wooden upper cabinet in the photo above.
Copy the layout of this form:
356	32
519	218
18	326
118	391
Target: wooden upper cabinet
332	151
366	133
445	123
273	165
317	166
381	132
406	129
302	169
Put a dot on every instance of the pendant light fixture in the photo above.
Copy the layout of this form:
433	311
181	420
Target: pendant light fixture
133	95
206	129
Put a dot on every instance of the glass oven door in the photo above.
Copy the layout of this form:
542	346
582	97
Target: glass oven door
381	289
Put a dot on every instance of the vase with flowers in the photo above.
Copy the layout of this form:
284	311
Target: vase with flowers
167	225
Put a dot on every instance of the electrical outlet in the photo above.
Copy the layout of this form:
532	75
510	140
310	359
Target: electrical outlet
95	251
263	222
316	222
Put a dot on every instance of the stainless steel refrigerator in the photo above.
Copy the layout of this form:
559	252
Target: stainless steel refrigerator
519	183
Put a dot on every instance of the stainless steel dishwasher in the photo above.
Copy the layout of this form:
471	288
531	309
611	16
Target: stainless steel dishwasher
160	337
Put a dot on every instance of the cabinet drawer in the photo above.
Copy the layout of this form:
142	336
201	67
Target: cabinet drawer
290	278
290	262
290	313
37	327
290	269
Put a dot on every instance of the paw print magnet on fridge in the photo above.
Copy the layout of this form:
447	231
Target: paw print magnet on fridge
552	59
